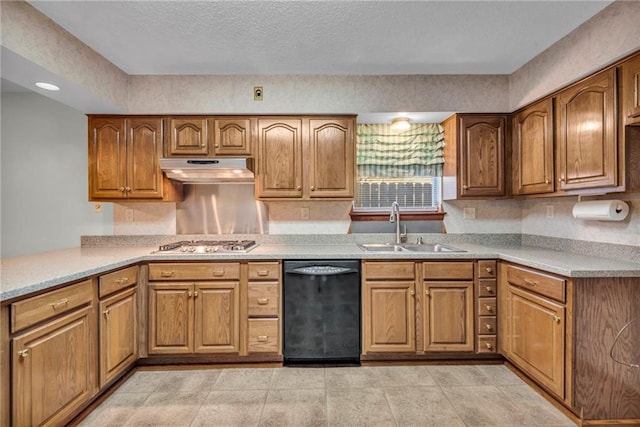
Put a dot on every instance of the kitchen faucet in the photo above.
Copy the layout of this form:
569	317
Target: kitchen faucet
394	217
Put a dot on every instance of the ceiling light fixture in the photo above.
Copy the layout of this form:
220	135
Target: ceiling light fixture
400	123
47	86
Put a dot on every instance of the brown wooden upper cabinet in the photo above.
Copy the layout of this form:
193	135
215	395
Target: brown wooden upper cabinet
124	156
232	136
630	71
188	136
305	158
532	149
474	156
586	133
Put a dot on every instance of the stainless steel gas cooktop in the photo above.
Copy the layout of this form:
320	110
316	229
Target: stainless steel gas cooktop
207	246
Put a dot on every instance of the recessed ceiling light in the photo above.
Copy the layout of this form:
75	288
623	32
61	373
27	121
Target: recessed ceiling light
47	86
400	123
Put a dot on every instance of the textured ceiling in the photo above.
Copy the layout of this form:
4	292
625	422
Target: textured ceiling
319	37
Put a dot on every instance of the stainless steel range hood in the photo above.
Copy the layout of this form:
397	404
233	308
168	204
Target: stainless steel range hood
208	171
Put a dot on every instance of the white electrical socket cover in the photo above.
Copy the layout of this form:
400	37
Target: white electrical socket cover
128	215
549	211
97	207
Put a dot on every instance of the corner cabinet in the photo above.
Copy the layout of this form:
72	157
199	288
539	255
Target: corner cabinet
475	156
302	158
124	160
630	72
587	145
532	149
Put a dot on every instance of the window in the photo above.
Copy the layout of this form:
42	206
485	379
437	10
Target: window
399	166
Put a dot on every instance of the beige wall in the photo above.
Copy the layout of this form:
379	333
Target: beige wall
603	39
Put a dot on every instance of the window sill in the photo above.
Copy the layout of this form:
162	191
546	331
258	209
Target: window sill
406	216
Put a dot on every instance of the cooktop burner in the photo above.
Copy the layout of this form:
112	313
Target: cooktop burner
208	246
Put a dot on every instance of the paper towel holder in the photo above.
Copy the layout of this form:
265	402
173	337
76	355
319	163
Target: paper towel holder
601	210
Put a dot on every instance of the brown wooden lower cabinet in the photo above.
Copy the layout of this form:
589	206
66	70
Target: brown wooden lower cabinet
448	316
561	333
54	369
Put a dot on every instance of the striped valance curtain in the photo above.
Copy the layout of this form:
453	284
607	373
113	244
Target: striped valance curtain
382	152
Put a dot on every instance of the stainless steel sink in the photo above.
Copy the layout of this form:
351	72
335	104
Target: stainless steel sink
381	247
407	247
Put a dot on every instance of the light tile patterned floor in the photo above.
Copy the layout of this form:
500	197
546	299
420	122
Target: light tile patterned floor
466	395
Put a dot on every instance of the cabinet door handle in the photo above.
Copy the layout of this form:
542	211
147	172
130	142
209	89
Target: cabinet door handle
412	292
128	189
23	353
426	292
465	187
313	188
263	301
121	189
217	145
166	273
263	273
299	188
218	273
63	302
203	145
195	294
556	319
263	338
189	294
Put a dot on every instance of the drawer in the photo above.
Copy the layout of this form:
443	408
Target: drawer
195	271
263	299
389	270
487	287
486	344
448	270
487	325
550	286
486	269
263	335
486	306
264	271
33	310
117	280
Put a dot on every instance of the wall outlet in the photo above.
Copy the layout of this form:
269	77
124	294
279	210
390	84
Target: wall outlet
97	207
469	213
258	93
304	214
128	215
549	211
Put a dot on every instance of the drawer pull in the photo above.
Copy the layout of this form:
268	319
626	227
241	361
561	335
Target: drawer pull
530	282
61	303
556	319
263	273
489	308
489	346
489	327
218	273
122	281
167	273
489	289
263	338
23	353
263	301
489	270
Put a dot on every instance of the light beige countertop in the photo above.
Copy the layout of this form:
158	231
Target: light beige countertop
32	273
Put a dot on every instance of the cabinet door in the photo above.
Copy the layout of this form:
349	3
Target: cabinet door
118	334
631	91
144	149
217	317
448	309
232	137
107	158
537	334
170	318
388	317
533	149
587	145
332	163
482	156
54	369
280	162
188	136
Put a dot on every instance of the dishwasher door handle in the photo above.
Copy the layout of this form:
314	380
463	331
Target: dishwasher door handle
324	270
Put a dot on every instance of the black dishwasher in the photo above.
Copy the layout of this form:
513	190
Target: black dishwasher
321	313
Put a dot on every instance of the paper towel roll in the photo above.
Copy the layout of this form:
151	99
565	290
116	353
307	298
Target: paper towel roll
601	210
